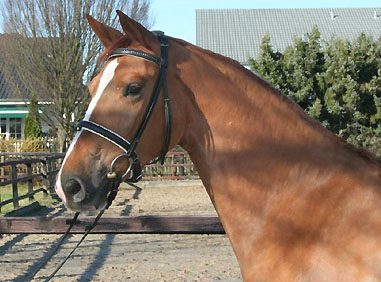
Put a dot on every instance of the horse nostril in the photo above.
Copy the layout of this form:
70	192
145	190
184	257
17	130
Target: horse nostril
75	189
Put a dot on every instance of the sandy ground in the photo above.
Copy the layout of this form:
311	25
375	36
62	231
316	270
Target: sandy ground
130	257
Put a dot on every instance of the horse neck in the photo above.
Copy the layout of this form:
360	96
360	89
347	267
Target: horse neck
237	117
252	146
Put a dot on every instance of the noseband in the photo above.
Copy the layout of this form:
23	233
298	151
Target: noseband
129	148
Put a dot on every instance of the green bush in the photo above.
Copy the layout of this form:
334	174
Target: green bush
32	127
27	145
337	82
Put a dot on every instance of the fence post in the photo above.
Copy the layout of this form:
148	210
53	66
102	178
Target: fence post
2	175
45	172
30	181
0	199
49	174
173	159
181	168
14	187
52	167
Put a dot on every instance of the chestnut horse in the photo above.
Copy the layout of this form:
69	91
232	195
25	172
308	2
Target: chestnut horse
297	202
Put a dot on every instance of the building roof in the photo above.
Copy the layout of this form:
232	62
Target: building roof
238	33
8	72
5	90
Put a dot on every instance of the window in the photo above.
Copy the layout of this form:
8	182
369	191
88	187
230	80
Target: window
3	127
15	130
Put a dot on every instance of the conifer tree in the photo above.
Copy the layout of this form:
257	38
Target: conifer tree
301	63
336	82
268	64
32	127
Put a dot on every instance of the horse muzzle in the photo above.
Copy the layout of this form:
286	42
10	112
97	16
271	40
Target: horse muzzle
80	195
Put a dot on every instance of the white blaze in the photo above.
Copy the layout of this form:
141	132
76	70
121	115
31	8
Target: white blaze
107	76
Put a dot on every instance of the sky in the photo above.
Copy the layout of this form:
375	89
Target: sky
177	18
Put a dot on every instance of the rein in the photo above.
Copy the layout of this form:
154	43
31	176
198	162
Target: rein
110	198
129	148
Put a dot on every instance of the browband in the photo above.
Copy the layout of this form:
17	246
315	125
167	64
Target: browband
132	52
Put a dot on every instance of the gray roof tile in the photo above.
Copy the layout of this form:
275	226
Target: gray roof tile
238	33
7	90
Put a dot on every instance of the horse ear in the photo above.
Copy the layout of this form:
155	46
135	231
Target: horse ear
134	29
106	34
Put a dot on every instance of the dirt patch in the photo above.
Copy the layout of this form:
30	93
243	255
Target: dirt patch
134	257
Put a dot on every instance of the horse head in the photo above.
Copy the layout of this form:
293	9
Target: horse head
115	137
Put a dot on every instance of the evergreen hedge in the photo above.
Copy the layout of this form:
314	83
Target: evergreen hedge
337	82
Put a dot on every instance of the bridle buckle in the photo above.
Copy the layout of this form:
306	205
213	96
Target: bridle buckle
112	174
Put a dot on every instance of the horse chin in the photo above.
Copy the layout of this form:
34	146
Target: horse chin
100	207
93	206
79	207
100	196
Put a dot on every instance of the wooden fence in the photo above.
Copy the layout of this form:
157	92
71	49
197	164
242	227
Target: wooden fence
177	166
28	167
31	171
15	168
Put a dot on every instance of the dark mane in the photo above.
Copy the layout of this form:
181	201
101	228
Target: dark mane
362	153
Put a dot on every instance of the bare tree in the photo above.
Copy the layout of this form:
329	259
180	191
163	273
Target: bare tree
53	51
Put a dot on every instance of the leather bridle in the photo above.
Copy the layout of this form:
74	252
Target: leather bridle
129	148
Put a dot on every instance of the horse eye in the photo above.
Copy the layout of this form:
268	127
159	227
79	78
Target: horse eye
132	89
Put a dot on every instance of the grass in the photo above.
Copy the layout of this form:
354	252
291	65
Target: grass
6	193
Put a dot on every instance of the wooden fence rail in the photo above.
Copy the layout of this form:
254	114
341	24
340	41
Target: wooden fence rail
119	224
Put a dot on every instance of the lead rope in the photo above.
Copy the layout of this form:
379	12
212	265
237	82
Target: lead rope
73	221
88	229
